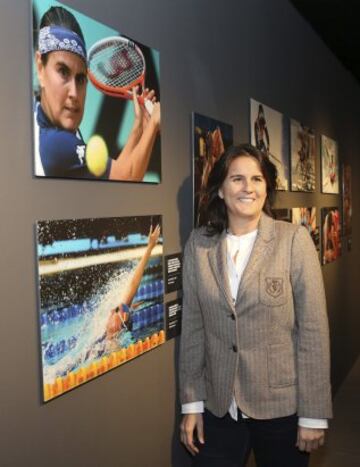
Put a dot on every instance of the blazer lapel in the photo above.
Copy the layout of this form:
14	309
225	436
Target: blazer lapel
264	244
218	263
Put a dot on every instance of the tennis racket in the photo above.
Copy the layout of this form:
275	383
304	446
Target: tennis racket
116	65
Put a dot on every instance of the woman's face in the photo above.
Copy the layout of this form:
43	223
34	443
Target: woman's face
63	88
244	190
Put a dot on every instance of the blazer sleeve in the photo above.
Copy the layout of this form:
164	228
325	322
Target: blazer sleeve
312	352
192	347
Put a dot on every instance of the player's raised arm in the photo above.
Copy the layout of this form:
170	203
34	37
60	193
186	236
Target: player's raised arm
153	238
133	160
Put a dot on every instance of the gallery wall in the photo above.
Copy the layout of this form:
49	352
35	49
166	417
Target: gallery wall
213	58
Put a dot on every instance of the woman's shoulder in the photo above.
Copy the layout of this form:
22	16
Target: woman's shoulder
200	236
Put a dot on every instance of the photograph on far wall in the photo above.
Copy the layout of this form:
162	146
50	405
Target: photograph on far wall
283	214
347	200
330	234
269	133
329	165
307	217
96	115
210	138
302	157
101	294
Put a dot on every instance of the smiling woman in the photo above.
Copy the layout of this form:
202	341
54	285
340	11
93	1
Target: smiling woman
254	355
60	150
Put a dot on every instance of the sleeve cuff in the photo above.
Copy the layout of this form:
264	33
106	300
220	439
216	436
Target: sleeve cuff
319	423
193	407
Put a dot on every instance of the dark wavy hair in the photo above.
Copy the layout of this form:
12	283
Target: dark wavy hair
59	16
213	212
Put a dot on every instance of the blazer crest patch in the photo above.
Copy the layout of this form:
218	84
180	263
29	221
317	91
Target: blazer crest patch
274	286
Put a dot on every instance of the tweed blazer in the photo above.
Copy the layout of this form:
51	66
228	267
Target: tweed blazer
269	347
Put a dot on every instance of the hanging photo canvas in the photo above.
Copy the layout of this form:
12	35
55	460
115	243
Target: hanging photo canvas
307	217
331	234
302	157
347	200
283	214
210	139
329	165
100	296
269	133
96	99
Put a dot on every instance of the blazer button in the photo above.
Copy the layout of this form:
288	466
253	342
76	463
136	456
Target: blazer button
232	317
234	347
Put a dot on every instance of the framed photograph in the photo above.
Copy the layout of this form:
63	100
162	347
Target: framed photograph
269	133
329	165
96	109
210	139
283	214
302	157
307	217
331	234
347	200
101	294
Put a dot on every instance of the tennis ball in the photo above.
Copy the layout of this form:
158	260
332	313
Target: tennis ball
96	155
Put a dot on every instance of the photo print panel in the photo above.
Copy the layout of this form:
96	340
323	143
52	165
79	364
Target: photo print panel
101	293
331	234
96	114
210	138
347	200
302	157
269	133
283	214
307	217
329	165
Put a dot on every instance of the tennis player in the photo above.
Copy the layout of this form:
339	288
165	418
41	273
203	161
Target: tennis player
62	72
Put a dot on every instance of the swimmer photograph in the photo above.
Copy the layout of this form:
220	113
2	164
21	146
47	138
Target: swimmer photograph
96	99
101	293
269	134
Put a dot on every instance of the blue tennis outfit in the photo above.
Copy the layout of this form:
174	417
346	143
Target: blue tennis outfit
59	152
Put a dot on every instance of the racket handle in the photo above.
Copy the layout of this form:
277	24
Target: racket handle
149	106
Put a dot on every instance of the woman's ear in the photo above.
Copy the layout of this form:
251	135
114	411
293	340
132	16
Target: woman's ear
39	68
220	193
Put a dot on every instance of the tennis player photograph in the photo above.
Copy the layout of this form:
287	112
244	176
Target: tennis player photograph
269	134
96	109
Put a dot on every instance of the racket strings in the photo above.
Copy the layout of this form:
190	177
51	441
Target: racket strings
116	65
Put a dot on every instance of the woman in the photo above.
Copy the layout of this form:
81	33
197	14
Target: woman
59	147
254	345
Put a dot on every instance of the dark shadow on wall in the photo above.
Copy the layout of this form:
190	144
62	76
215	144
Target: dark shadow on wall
179	455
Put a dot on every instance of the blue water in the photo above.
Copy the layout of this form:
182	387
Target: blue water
74	336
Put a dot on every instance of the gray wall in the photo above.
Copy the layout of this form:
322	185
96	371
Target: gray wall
214	56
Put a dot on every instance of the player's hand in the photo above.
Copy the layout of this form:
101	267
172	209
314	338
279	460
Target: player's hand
156	115
137	107
309	439
191	423
154	235
147	95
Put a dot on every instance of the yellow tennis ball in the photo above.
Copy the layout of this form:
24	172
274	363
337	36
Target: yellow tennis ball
96	155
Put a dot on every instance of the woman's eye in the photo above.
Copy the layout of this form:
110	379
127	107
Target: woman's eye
81	79
63	72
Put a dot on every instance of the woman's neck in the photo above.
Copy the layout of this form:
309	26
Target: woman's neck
242	227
